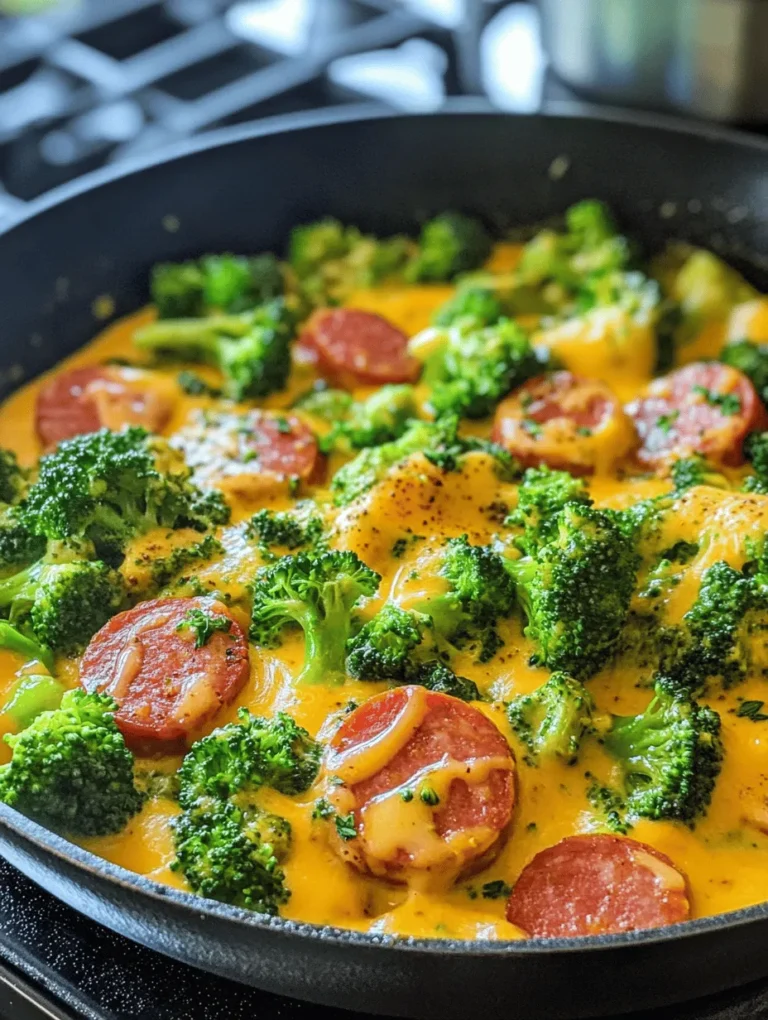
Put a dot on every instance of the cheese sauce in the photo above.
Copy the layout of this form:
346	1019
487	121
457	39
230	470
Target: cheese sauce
725	857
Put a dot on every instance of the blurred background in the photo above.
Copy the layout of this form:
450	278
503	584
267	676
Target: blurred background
89	82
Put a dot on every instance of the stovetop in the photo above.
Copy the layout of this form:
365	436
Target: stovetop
94	81
88	82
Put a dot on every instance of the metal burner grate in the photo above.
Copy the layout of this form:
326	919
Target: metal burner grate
93	81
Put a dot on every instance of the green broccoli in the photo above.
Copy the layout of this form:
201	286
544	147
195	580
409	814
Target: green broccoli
27	647
331	260
589	246
109	487
13	479
71	770
717	628
203	624
690	471
473	306
449	244
751	359
554	719
575	588
438	441
325	403
30	695
670	755
316	594
62	604
229	283
472	369
232	853
18	544
479	592
243	756
542	493
756	450
381	418
401	645
291	529
703	287
251	350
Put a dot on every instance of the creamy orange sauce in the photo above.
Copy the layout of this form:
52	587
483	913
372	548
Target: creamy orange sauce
725	857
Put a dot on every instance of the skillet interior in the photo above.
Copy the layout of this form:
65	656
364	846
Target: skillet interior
243	191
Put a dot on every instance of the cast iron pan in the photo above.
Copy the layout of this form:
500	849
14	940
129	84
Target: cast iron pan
243	191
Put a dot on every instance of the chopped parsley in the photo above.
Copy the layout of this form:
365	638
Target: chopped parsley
195	386
728	403
345	826
532	427
752	710
429	796
496	890
665	421
204	625
322	809
406	795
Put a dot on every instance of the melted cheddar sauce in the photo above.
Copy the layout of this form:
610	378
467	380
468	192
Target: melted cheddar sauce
725	857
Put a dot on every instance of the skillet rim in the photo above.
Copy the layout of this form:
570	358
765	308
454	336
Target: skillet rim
58	847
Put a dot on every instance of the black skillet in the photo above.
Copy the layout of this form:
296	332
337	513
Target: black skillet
242	191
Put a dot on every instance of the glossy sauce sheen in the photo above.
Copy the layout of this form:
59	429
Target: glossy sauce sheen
725	859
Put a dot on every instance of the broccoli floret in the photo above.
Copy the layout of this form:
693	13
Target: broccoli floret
756	450
471	307
246	755
202	624
542	493
401	645
71	770
13	480
589	245
331	260
108	487
751	359
326	403
575	589
438	441
554	719
703	288
439	677
252	350
381	418
317	595
480	592
287	529
449	244
670	756
384	648
63	604
232	853
230	283
157	784
718	638
473	368
17	543
690	471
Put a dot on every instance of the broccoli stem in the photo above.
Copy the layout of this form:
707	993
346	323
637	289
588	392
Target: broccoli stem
30	650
